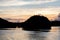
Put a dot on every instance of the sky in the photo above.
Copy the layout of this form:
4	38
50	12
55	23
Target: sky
10	8
15	5
28	3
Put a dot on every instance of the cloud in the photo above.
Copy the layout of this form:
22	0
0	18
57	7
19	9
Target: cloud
23	11
19	13
23	2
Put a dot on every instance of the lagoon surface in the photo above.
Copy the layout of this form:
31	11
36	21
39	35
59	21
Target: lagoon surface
19	34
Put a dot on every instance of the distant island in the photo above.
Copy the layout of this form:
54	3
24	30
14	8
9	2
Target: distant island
56	22
35	22
5	24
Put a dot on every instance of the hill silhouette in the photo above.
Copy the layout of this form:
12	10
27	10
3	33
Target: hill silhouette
6	24
36	22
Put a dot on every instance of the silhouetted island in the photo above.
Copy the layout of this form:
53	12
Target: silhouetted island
55	23
6	24
36	22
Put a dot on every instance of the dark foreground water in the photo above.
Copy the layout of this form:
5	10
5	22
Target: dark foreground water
19	34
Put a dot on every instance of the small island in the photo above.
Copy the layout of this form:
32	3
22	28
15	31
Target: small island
36	22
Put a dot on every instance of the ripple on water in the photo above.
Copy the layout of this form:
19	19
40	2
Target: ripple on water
19	34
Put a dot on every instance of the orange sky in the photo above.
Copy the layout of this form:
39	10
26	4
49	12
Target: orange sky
25	17
50	13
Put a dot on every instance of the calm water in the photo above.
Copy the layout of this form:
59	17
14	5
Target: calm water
19	34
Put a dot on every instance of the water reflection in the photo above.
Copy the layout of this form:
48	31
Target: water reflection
19	34
53	34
